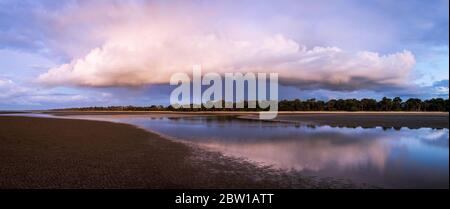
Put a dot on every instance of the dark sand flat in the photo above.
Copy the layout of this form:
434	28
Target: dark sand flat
66	153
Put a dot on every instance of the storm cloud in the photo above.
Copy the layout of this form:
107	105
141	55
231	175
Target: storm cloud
146	45
70	52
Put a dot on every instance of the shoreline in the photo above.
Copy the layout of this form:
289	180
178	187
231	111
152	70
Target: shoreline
226	112
243	112
73	153
394	120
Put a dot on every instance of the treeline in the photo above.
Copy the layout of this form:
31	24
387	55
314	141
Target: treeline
385	104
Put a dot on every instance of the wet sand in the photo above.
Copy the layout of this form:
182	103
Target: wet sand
68	153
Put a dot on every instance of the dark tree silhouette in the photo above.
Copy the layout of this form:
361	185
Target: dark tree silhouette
366	104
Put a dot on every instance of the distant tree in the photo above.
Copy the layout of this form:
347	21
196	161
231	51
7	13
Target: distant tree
385	104
331	105
320	105
297	105
368	104
286	105
446	104
435	104
397	104
352	105
413	104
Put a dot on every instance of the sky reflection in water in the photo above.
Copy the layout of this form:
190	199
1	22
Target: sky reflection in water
406	158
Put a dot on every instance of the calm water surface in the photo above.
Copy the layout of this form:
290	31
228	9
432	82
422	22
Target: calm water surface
405	158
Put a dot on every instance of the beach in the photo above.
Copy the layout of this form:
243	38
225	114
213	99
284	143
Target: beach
68	153
40	152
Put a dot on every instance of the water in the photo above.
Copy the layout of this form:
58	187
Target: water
405	158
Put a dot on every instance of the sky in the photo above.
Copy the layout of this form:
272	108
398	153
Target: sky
58	54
